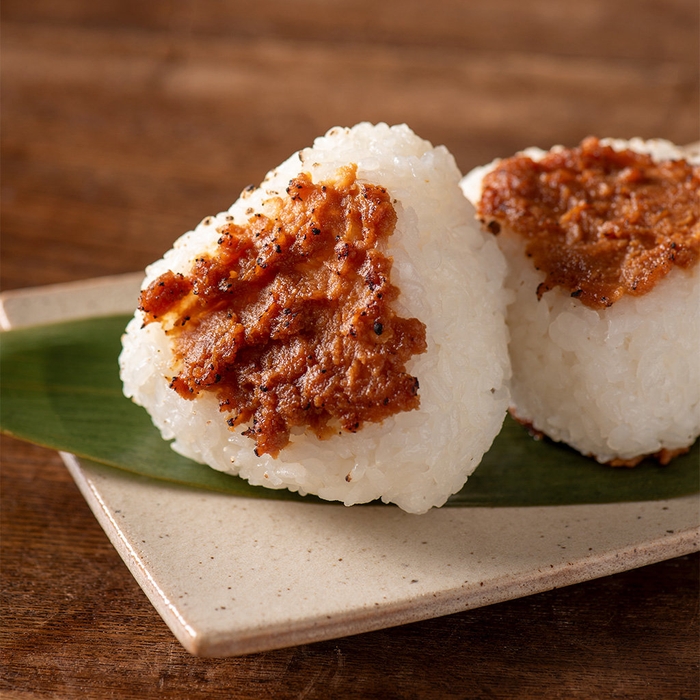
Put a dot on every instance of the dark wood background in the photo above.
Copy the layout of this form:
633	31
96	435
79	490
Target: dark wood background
125	122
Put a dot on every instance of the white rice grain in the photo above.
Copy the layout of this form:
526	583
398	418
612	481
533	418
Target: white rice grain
451	277
615	383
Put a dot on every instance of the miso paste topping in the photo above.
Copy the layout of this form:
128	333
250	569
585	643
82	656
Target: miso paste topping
290	322
598	222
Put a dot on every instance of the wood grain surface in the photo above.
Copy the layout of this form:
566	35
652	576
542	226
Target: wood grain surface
124	123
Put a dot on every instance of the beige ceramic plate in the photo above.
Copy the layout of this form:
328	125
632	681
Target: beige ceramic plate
233	576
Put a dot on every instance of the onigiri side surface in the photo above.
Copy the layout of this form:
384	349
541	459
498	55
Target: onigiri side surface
615	383
450	276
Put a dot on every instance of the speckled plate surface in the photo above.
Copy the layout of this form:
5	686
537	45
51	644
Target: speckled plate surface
233	576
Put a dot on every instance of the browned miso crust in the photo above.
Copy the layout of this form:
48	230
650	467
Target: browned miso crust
598	222
290	322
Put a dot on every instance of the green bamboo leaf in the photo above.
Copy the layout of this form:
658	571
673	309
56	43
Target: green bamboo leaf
60	388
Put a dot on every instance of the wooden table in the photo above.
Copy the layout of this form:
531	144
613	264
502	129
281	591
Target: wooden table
125	123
